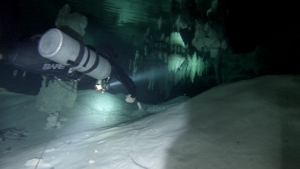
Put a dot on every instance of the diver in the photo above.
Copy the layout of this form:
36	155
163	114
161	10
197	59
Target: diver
39	58
117	72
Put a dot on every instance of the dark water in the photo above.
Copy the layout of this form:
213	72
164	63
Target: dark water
247	25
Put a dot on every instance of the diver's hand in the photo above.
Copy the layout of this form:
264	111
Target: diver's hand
129	99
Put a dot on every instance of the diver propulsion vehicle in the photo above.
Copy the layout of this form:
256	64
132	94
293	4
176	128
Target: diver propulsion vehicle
61	48
59	56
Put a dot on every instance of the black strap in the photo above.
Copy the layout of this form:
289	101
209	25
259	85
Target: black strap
78	58
88	57
96	63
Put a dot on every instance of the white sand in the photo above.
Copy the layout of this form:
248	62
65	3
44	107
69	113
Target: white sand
253	124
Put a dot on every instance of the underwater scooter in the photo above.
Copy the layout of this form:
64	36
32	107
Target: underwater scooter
61	48
59	56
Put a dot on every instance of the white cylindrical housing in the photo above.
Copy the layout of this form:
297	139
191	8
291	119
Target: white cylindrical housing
61	48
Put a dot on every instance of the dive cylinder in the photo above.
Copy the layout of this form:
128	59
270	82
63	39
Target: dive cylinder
57	46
